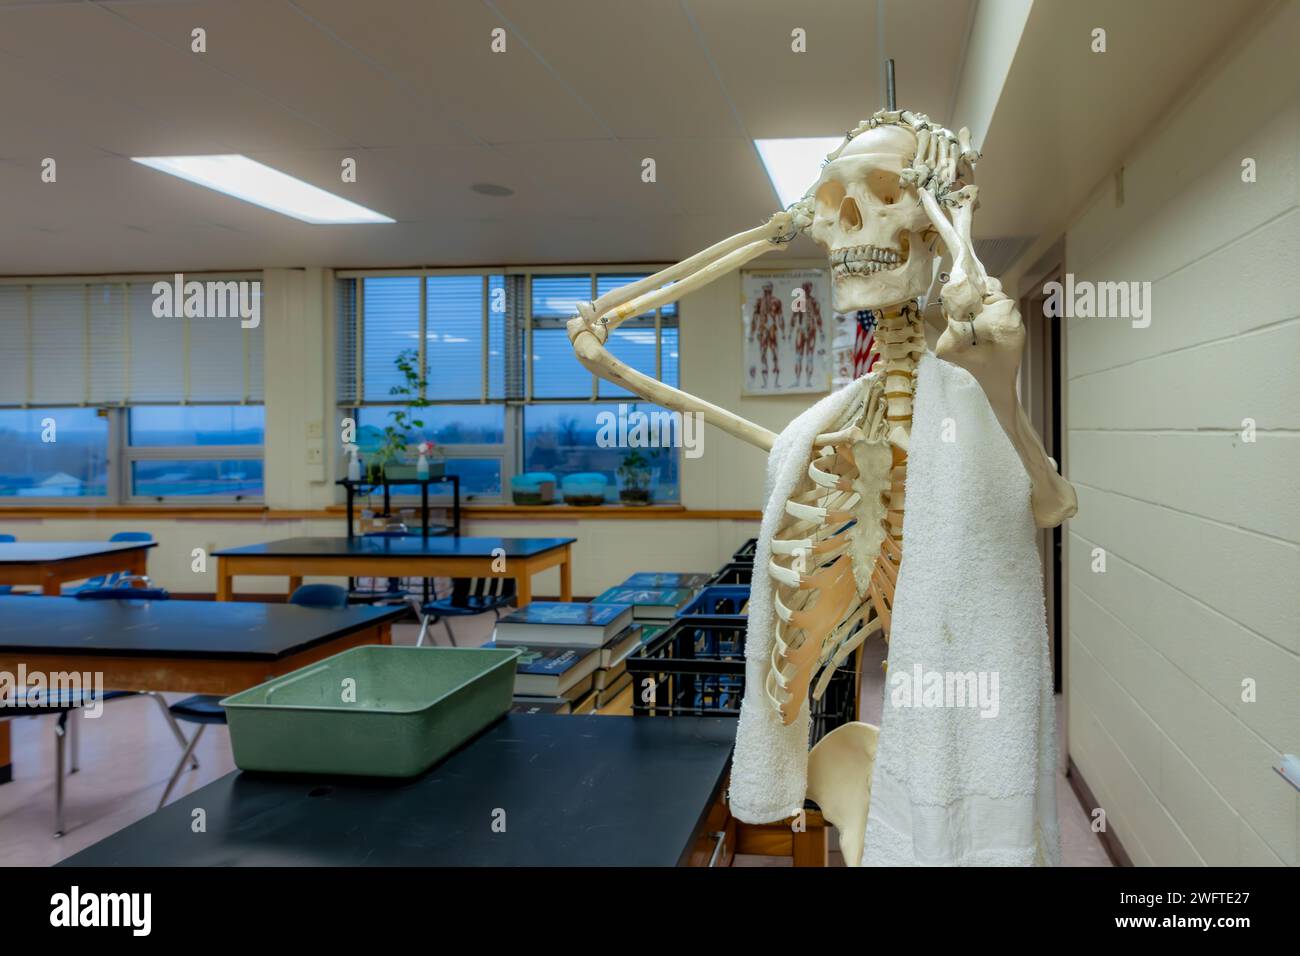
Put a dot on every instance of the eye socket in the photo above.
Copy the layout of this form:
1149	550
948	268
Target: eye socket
829	195
885	186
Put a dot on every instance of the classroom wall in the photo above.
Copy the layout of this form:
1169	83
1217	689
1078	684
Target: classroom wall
1200	529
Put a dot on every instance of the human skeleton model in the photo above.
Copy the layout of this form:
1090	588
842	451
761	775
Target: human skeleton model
887	199
767	323
806	330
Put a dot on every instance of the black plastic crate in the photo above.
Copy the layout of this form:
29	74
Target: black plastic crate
745	553
698	669
733	572
718	601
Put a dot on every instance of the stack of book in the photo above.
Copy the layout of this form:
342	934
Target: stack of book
573	655
648	604
667	579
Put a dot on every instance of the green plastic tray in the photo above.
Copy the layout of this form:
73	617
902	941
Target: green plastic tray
408	708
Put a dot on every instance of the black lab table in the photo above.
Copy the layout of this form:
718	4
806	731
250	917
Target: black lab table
562	791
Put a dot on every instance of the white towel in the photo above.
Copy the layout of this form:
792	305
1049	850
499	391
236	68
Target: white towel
769	771
950	787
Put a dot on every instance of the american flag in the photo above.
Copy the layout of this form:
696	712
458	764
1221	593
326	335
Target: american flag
864	355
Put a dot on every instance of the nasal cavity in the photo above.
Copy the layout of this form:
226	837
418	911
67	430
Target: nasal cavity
850	216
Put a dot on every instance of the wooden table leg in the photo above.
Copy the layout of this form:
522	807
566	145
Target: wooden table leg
566	575
385	634
524	587
295	582
6	761
139	565
51	585
225	582
810	847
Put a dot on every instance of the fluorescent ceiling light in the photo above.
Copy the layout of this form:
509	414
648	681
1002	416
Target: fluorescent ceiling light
794	164
261	185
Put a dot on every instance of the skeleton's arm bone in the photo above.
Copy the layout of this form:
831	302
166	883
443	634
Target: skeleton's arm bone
985	336
700	269
589	330
593	355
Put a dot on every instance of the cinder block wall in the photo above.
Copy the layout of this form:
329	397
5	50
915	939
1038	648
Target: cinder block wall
1200	528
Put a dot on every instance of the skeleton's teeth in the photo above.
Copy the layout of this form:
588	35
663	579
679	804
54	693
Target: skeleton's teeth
863	260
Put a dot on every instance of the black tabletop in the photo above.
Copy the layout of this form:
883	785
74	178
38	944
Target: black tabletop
575	791
235	630
410	546
45	552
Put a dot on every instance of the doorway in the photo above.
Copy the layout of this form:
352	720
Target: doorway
1040	393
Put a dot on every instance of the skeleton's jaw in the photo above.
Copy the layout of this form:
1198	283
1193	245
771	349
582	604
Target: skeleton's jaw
870	276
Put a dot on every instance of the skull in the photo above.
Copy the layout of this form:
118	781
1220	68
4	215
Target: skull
874	229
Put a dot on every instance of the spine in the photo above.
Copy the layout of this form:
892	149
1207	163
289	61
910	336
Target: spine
901	340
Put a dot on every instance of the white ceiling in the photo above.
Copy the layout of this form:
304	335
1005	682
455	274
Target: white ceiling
1068	118
412	91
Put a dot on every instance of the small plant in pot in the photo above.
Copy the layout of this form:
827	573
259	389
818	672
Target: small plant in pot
636	479
391	458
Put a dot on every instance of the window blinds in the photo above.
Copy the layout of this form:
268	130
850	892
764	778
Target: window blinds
99	343
380	315
390	306
557	373
454	313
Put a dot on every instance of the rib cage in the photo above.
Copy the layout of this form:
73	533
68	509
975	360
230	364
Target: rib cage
836	556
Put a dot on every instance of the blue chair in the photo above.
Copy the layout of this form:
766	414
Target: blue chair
116	578
205	709
67	702
469	596
124	593
320	595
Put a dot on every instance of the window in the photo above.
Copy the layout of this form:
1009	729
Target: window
196	450
53	453
131	390
458	430
504	392
561	439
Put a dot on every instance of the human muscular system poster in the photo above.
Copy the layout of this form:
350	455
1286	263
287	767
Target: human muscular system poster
788	325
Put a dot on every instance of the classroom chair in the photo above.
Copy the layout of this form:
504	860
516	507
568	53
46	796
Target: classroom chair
469	596
205	709
67	703
320	595
115	579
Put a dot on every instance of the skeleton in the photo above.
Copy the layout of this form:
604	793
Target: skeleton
892	208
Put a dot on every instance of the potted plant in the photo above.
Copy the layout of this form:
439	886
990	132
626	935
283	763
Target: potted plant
636	479
391	460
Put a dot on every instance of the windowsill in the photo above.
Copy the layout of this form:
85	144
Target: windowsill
196	510
561	511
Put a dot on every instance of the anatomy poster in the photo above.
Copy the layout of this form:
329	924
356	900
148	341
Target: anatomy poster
787	320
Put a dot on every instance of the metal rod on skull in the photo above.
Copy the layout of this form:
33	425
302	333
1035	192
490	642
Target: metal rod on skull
890	102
